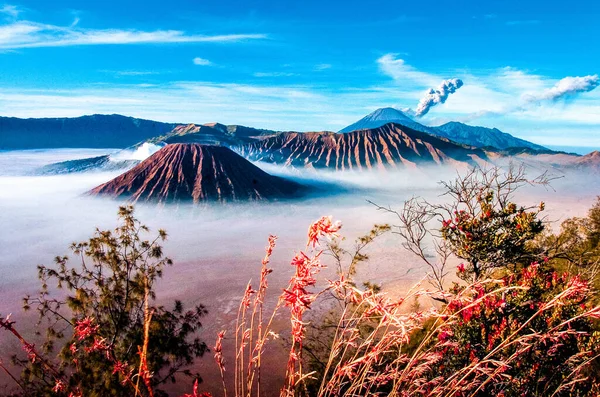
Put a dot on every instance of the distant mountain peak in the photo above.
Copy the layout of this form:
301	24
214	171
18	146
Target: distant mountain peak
387	114
384	116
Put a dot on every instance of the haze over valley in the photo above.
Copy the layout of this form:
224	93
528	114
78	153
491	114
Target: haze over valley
228	123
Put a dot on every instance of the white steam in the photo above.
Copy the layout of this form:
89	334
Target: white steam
436	96
567	87
141	153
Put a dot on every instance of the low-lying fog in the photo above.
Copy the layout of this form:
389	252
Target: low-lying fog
218	248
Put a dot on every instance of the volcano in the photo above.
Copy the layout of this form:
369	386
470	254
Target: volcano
383	116
197	173
389	146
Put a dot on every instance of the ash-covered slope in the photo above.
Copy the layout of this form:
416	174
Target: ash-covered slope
389	146
198	173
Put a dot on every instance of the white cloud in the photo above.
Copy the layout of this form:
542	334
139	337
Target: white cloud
518	81
322	66
10	10
400	71
201	61
274	74
524	22
28	34
136	73
567	87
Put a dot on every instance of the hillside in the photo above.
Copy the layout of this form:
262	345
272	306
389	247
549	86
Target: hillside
589	162
96	131
482	136
210	134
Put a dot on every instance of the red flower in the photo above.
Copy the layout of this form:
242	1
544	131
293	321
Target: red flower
443	336
323	227
247	294
196	393
461	268
85	328
467	314
120	367
219	351
59	387
98	345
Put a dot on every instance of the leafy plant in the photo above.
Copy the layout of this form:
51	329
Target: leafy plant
101	321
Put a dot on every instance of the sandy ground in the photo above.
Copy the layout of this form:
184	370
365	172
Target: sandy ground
216	249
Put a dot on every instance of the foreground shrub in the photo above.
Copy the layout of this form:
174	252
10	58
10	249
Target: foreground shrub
528	333
110	339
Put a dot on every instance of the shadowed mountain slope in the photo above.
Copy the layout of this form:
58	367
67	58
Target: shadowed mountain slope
198	173
96	131
482	136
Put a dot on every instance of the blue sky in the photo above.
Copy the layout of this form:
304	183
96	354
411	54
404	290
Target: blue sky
310	65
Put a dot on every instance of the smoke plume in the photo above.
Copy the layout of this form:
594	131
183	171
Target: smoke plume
437	96
567	87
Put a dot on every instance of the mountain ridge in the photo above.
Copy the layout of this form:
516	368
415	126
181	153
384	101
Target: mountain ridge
483	136
455	131
389	146
90	131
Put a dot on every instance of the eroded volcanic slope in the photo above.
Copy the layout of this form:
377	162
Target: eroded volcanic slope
389	146
198	173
